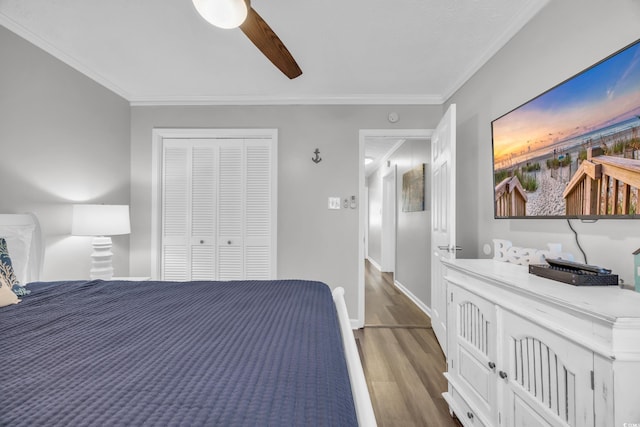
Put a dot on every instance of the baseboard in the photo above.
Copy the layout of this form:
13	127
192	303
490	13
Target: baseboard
375	264
422	306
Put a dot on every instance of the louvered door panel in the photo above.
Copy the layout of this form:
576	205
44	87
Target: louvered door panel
174	262
218	213
258	216
203	187
230	190
258	190
230	210
175	202
230	265
203	262
203	211
175	192
258	262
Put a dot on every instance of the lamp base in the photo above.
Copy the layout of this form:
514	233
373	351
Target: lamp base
101	266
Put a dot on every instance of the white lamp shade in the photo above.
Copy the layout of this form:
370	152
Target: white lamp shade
100	220
222	13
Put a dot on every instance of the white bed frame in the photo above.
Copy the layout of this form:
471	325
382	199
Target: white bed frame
24	239
361	398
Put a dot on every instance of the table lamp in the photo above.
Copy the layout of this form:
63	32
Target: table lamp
101	222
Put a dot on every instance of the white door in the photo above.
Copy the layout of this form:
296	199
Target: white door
443	217
188	210
218	214
389	222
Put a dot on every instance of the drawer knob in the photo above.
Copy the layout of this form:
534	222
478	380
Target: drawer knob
470	415
503	375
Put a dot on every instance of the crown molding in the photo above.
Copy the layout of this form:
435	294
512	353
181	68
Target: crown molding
378	99
67	59
511	30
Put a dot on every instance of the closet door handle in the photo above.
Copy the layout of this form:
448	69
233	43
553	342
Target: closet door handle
492	366
503	375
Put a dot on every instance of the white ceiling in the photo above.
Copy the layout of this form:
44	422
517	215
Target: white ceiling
350	51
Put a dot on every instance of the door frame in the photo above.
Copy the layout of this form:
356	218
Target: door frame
157	137
364	135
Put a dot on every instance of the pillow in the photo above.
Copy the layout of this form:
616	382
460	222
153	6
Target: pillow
7	272
19	239
6	269
7	297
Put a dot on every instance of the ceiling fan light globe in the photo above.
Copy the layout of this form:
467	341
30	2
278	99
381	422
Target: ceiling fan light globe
222	13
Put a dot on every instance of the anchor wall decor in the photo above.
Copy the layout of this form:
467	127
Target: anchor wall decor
317	158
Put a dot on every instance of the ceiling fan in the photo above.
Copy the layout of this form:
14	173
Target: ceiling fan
239	13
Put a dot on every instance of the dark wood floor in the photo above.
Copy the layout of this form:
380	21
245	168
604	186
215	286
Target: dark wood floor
402	361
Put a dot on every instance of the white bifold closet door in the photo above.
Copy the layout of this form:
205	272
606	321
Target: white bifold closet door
217	209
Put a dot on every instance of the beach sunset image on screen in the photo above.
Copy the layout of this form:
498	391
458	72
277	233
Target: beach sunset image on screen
573	151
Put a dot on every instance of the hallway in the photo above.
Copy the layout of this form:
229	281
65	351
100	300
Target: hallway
402	360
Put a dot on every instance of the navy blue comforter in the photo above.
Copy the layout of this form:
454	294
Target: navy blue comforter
164	353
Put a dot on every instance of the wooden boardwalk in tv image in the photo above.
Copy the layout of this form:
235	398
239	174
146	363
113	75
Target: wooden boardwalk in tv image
602	185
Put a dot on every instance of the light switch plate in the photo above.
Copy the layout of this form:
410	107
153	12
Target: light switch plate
334	202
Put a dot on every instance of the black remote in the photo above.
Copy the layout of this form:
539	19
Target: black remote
572	265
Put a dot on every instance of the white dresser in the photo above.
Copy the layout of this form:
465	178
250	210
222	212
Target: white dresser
528	351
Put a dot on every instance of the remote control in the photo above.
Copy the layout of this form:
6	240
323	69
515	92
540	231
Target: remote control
572	265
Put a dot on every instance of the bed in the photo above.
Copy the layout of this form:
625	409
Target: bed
241	353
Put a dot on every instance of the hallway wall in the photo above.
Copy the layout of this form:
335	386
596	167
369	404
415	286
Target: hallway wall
412	267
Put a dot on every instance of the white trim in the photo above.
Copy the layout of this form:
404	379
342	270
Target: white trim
422	306
52	50
364	134
515	25
381	161
374	99
157	136
361	397
374	263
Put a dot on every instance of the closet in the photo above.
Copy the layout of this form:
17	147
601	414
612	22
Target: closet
217	204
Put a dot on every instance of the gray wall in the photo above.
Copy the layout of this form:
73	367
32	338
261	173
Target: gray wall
563	39
413	235
64	139
313	242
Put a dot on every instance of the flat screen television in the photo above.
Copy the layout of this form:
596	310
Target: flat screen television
573	151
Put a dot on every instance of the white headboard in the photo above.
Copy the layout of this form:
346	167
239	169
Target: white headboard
24	241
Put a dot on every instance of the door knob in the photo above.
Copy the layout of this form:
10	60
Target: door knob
503	375
492	366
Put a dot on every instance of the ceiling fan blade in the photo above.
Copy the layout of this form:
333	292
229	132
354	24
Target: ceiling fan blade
269	44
